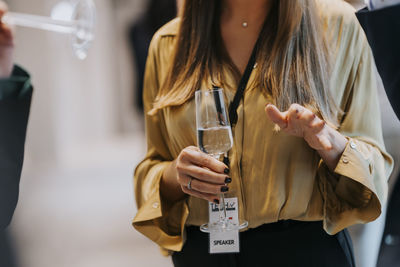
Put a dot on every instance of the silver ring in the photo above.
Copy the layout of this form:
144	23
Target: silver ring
189	185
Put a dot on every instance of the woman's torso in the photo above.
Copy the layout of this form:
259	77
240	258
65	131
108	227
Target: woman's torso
274	175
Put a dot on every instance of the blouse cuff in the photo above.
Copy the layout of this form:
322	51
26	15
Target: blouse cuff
349	192
356	163
160	221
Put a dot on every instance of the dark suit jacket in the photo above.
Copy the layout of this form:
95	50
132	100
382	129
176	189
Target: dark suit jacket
382	28
15	100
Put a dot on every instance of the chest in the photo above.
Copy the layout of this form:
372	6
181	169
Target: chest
180	122
239	44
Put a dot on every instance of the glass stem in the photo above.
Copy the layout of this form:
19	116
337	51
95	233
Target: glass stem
222	207
39	22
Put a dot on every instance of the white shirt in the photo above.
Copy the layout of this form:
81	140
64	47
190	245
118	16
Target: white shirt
377	4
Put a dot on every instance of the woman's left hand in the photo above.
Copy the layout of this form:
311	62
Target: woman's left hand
302	122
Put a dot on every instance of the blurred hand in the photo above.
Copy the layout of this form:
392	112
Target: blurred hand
208	176
300	121
6	45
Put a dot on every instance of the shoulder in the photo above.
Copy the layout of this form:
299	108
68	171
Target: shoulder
163	40
348	48
341	26
169	29
338	14
160	57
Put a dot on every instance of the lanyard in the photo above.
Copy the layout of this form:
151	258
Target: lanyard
233	116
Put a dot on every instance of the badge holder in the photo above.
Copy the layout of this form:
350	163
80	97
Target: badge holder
222	220
224	226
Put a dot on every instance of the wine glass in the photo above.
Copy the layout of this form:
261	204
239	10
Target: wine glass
76	18
214	137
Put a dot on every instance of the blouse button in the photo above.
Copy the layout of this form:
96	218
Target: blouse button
156	205
345	160
353	145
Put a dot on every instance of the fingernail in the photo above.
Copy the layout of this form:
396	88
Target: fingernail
226	171
216	201
224	189
228	180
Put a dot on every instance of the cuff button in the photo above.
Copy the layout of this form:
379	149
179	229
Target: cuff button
353	145
156	205
345	160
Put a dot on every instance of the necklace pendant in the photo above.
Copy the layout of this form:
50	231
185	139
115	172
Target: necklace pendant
244	24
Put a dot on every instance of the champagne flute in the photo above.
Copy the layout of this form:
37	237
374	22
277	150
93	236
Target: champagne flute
76	18
214	137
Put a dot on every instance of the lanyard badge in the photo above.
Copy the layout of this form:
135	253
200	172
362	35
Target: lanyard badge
224	241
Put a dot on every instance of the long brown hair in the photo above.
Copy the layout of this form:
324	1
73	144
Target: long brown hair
293	56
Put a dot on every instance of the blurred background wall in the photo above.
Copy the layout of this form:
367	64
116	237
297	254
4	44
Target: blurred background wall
79	101
84	140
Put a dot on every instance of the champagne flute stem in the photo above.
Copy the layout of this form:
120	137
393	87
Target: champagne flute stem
39	22
222	209
223	199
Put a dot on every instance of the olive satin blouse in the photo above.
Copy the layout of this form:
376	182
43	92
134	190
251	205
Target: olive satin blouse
275	176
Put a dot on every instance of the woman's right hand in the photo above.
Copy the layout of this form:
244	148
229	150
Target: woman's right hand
6	45
208	176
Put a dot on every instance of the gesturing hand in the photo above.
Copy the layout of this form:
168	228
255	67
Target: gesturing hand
300	121
6	45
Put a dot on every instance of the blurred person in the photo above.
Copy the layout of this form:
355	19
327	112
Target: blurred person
15	100
158	12
381	23
327	167
382	27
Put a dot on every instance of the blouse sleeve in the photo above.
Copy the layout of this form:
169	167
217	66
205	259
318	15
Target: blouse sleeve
157	219
356	190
